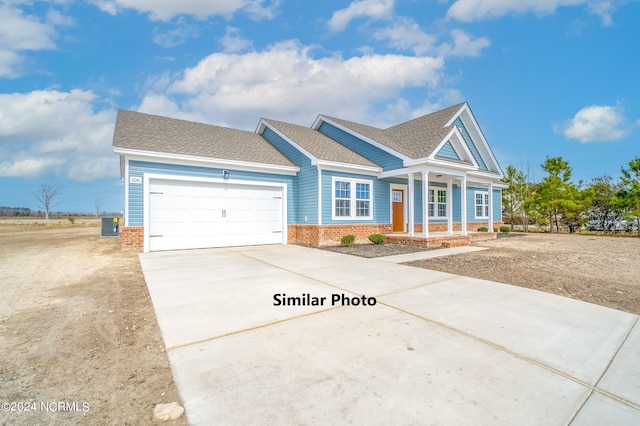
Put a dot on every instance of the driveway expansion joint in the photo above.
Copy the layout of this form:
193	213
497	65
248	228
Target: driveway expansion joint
592	388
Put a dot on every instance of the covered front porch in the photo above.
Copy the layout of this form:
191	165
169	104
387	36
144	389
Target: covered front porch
439	239
429	201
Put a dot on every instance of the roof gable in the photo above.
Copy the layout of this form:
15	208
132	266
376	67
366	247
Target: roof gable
316	145
424	138
152	133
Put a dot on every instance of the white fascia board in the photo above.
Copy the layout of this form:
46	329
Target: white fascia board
263	124
363	137
486	146
189	160
454	132
486	178
424	167
457	114
350	168
465	147
442	144
123	172
428	163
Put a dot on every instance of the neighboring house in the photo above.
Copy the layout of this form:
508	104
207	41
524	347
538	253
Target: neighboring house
192	185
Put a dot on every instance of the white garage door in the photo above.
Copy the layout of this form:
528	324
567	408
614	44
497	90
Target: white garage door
186	214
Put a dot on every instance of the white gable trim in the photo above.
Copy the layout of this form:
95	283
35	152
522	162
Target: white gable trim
459	146
321	118
467	117
315	161
260	131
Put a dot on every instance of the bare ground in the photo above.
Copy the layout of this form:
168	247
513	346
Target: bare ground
77	326
597	269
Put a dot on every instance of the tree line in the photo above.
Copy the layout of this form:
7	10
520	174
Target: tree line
556	201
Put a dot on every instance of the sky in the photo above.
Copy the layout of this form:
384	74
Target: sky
543	77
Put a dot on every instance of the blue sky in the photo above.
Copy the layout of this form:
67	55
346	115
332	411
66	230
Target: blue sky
543	77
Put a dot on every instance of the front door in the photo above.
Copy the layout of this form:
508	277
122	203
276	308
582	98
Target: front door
397	210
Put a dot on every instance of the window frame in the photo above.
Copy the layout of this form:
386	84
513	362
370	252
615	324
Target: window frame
484	205
436	204
353	198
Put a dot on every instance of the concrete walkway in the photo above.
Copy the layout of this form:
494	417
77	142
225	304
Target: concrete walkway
436	348
430	254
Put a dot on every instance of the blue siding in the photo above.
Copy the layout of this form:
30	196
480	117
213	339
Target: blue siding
497	205
447	151
378	156
139	168
381	197
307	180
472	146
471	204
457	204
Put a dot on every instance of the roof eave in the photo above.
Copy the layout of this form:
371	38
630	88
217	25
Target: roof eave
163	157
348	167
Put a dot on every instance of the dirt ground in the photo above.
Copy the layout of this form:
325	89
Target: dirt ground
597	269
79	341
593	268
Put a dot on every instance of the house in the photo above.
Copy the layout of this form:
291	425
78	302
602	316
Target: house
193	185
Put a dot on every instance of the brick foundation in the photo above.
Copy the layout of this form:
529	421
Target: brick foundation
457	226
132	238
329	235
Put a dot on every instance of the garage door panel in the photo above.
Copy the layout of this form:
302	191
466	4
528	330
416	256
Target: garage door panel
185	214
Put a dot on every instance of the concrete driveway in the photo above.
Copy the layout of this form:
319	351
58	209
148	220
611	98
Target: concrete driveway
436	348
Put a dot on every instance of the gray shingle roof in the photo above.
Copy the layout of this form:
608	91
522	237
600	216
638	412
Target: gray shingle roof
417	138
319	145
146	132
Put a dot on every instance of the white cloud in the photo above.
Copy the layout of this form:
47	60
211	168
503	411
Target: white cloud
233	41
405	34
604	10
464	44
20	32
286	82
52	132
477	10
164	10
596	123
374	9
177	36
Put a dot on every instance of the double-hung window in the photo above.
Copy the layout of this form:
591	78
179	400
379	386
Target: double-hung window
351	199
437	203
482	204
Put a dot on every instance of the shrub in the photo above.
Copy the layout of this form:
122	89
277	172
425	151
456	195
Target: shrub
505	229
377	238
347	240
483	229
71	219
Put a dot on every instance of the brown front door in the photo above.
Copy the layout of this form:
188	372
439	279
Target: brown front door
397	210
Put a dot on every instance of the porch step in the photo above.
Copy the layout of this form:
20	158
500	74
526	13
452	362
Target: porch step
430	242
483	236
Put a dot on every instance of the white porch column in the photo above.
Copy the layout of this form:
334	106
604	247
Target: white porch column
490	207
450	206
425	204
410	206
463	205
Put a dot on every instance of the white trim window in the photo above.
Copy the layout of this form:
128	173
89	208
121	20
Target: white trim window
437	202
481	201
351	199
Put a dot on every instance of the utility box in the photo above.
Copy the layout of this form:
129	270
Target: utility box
110	227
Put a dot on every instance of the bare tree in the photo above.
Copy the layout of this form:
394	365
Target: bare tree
98	205
48	192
